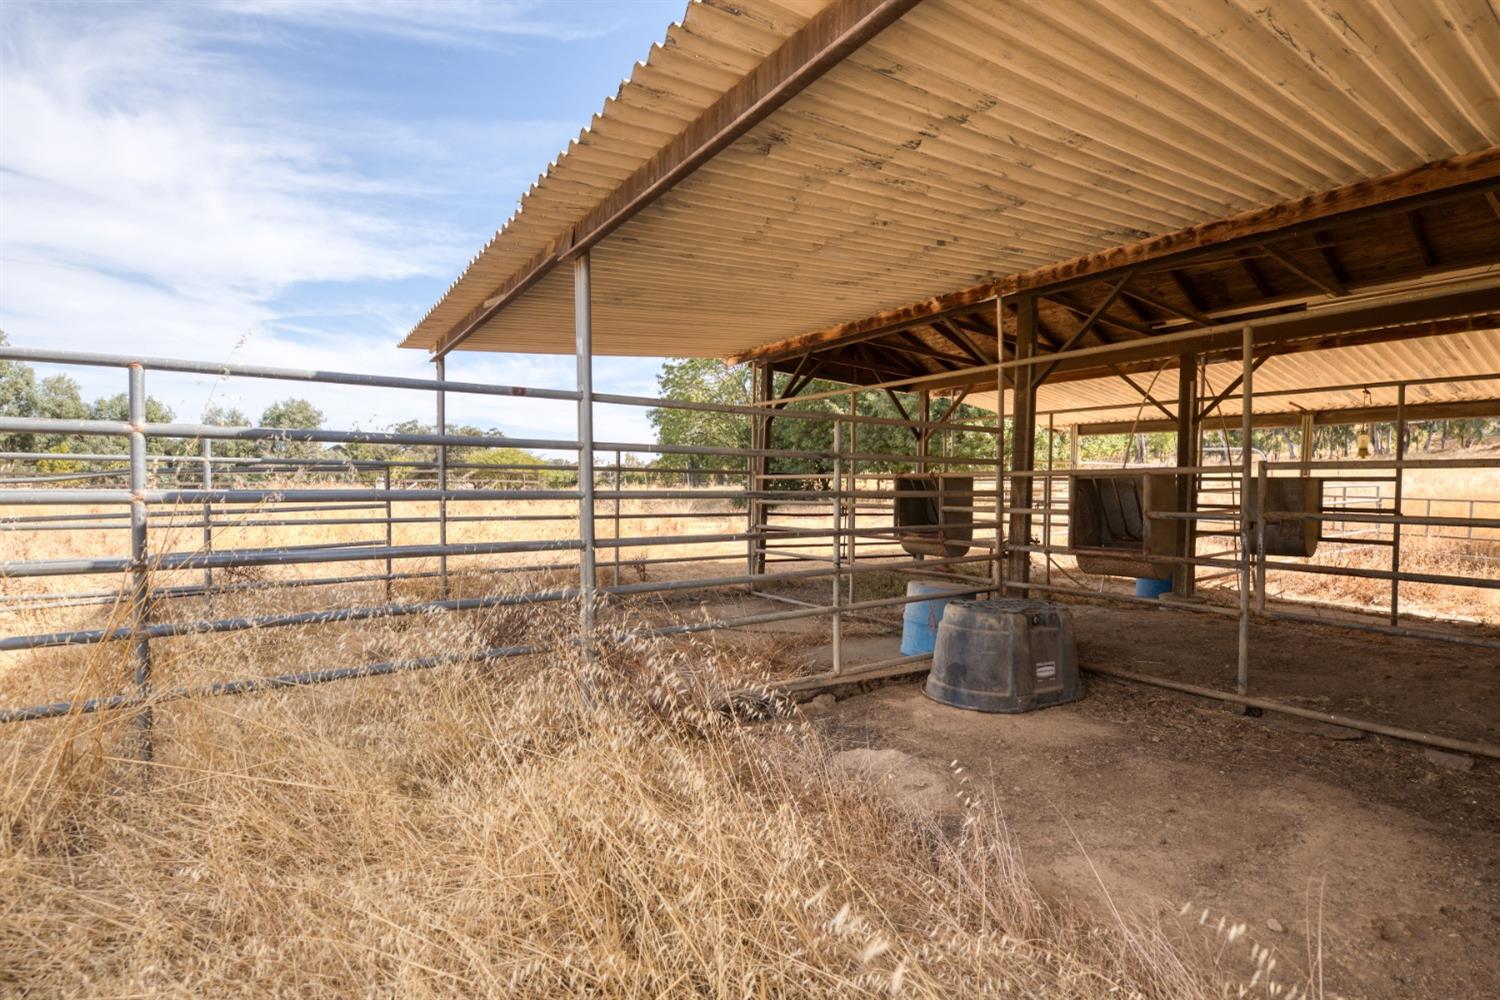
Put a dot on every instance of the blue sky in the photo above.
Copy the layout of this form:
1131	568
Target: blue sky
289	182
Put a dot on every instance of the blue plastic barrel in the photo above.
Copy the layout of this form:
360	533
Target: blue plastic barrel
1149	586
919	624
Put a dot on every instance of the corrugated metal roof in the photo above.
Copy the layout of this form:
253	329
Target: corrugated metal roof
974	139
700	57
1470	353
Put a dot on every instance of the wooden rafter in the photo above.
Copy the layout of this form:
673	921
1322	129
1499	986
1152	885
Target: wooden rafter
1185	286
1331	257
1088	323
1103	321
957	337
1459	409
1419	236
912	344
1188	312
1304	272
1234	384
1256	275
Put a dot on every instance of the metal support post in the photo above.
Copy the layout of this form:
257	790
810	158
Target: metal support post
583	322
1047	504
206	450
762	388
442	475
838	540
1247	348
851	500
1261	504
1184	578
1023	445
390	540
1396	526
924	436
140	586
618	479
1000	561
1305	455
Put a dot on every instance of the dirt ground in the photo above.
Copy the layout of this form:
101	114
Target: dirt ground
1167	800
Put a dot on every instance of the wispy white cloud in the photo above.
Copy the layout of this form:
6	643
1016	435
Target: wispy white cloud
454	22
162	191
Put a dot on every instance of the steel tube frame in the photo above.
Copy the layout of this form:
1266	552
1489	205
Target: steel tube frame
844	502
583	321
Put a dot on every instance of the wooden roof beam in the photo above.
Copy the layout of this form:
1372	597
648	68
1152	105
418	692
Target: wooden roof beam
1307	274
1188	312
958	337
1419	236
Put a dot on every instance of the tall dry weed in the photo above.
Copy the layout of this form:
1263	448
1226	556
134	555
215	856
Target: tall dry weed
530	828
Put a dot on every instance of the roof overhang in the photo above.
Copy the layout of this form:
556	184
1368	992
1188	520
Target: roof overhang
868	176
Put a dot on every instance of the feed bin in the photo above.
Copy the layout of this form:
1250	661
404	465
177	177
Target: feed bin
1288	536
1008	655
940	508
1110	527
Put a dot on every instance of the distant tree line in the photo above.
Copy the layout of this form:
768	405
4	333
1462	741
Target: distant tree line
1335	441
708	380
59	397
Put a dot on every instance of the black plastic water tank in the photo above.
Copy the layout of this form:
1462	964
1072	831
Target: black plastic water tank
1006	655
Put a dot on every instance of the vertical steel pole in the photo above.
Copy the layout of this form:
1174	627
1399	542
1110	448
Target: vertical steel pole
618	480
1262	504
1306	444
999	505
760	467
442	474
853	498
924	414
1023	444
838	541
1184	577
1247	373
583	323
1047	504
140	589
206	451
1400	480
390	574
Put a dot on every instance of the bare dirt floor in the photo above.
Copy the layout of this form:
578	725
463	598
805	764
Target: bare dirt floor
1387	855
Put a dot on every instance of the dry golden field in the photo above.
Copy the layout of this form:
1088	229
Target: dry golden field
524	827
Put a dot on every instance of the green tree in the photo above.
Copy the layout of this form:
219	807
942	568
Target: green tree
19	397
701	380
228	416
708	380
116	408
291	414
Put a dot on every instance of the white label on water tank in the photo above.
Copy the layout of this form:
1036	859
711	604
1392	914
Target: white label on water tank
1046	670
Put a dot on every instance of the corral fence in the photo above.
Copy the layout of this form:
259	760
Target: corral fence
595	524
827	525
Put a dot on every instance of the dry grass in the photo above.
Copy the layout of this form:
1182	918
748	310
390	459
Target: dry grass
530	829
525	828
